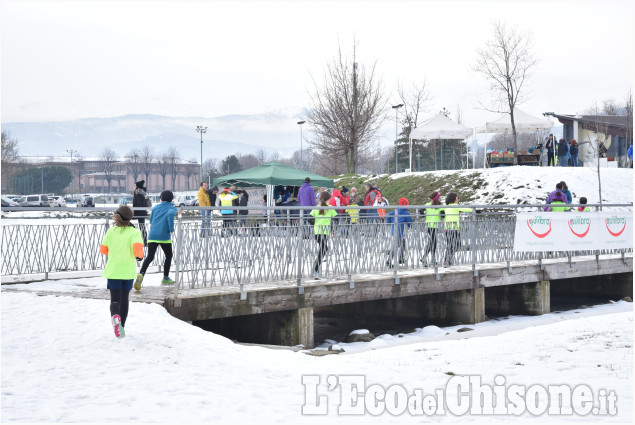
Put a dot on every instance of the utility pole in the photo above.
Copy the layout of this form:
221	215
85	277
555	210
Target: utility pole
71	151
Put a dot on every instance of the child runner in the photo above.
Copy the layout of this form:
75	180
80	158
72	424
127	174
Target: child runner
354	212
123	244
583	208
322	230
161	228
558	203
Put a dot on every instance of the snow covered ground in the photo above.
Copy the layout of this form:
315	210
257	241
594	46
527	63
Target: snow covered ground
62	363
531	185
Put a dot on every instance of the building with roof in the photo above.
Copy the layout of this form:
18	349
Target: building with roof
615	131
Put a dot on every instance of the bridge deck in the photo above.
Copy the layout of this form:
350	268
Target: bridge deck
225	301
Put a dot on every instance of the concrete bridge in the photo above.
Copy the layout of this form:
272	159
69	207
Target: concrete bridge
279	314
254	284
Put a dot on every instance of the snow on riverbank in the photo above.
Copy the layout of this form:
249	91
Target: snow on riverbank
62	363
525	185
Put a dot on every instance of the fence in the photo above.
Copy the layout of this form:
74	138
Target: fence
280	245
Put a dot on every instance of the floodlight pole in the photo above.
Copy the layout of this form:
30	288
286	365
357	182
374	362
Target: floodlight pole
201	129
301	160
396	133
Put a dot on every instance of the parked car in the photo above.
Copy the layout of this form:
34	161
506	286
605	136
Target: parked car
185	200
57	201
87	201
7	202
35	201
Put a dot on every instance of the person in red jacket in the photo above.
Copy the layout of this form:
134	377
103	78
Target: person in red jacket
344	198
371	195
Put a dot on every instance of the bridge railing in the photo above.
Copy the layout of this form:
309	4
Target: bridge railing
276	244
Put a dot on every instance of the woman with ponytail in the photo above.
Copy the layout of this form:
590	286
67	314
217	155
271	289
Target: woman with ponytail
322	230
123	244
433	218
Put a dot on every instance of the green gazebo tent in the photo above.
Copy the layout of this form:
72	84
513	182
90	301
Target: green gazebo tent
272	174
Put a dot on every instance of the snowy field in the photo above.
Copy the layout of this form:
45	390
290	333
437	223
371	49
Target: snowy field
61	363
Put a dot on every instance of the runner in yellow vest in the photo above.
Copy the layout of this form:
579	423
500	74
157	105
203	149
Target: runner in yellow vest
123	244
433	218
322	230
452	223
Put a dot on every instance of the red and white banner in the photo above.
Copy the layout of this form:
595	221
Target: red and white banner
573	231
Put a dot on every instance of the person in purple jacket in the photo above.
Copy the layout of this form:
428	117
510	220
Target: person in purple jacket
306	194
560	188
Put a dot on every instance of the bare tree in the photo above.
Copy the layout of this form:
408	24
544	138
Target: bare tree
134	164
10	160
261	156
108	161
189	172
347	111
164	164
506	62
610	107
174	158
147	156
415	101
211	168
249	161
594	141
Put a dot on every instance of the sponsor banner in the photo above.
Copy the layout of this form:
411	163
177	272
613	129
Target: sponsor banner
573	231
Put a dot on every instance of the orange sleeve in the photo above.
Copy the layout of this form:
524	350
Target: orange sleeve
103	249
137	248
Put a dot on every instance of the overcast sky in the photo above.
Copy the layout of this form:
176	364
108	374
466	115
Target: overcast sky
67	60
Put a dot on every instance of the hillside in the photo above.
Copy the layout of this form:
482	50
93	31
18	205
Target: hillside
502	185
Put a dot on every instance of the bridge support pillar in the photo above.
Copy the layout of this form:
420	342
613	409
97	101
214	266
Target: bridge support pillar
466	306
531	299
287	327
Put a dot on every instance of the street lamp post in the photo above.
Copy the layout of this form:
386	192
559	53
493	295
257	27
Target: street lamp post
201	129
72	151
301	158
396	133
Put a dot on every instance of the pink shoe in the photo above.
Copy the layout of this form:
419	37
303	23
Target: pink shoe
116	324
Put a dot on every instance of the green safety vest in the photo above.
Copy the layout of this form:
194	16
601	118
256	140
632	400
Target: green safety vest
559	209
452	217
433	216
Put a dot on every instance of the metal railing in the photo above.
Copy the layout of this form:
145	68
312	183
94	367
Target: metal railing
280	245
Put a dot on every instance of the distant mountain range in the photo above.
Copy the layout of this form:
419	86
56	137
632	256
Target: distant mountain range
275	131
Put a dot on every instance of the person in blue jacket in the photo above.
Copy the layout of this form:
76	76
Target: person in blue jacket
161	229
403	218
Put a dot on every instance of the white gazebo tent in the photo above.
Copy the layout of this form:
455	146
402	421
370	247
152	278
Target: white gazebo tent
523	122
437	128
